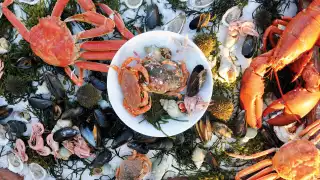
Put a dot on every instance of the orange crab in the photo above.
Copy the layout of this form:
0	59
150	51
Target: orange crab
296	160
135	167
53	42
136	99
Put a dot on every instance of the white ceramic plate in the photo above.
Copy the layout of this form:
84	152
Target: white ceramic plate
192	56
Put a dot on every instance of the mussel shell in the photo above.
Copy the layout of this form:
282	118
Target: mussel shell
15	129
102	158
25	63
162	144
39	103
97	83
91	133
141	148
72	113
179	139
152	18
239	125
110	115
143	138
249	46
54	85
269	136
194	23
65	133
122	139
5	112
196	80
100	118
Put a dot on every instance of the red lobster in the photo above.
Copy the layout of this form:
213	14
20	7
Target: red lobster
295	47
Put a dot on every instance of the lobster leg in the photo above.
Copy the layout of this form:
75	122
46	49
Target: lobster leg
87	5
118	21
103	24
14	20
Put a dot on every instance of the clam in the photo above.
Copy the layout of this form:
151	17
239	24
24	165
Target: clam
72	113
140	147
152	18
176	24
5	112
221	130
14	163
91	133
200	3
54	85
4	45
232	14
133	4
65	134
40	103
204	129
122	139
37	172
249	46
196	80
102	158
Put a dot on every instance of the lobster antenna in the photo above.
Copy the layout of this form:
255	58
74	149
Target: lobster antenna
285	103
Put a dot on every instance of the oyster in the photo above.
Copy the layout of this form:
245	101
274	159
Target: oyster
232	14
200	3
14	163
4	45
176	24
133	4
37	172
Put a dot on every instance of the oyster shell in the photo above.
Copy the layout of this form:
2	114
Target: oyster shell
15	163
4	45
176	24
37	172
133	4
232	14
200	3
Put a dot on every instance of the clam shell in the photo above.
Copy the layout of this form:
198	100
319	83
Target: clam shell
133	4
37	172
15	163
176	24
30	2
4	45
200	3
231	14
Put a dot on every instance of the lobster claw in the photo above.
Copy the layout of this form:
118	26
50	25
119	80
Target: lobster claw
300	103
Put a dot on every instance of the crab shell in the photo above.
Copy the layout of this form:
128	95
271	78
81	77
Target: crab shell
135	167
298	159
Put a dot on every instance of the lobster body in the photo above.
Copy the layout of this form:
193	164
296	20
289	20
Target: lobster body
295	47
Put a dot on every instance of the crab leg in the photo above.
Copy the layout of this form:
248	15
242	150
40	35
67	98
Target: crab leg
93	66
110	45
262	173
311	129
253	168
271	176
87	5
14	20
103	24
118	21
98	55
253	156
73	77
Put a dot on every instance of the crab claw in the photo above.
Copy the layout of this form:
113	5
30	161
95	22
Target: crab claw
300	102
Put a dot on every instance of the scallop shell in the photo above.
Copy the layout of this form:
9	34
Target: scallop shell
231	15
200	3
176	24
133	4
30	2
15	163
37	172
3	140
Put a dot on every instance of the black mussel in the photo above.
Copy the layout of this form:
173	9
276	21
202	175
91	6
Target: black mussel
249	46
269	136
97	83
115	129
72	113
239	125
143	138
179	139
25	63
110	115
91	133
141	148
64	134
196	80
5	112
40	103
100	118
102	158
152	18
200	21
122	139
54	85
162	144
15	129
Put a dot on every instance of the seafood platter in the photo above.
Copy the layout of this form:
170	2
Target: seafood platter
159	90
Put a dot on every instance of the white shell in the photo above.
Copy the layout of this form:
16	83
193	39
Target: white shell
251	133
200	3
198	156
227	66
37	172
232	14
61	123
64	153
283	133
14	163
30	2
171	107
133	4
176	24
3	140
4	46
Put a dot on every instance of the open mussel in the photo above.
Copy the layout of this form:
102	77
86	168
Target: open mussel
249	46
102	158
15	129
91	133
152	18
5	112
125	137
196	80
54	85
64	134
140	147
40	103
72	113
200	21
161	144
